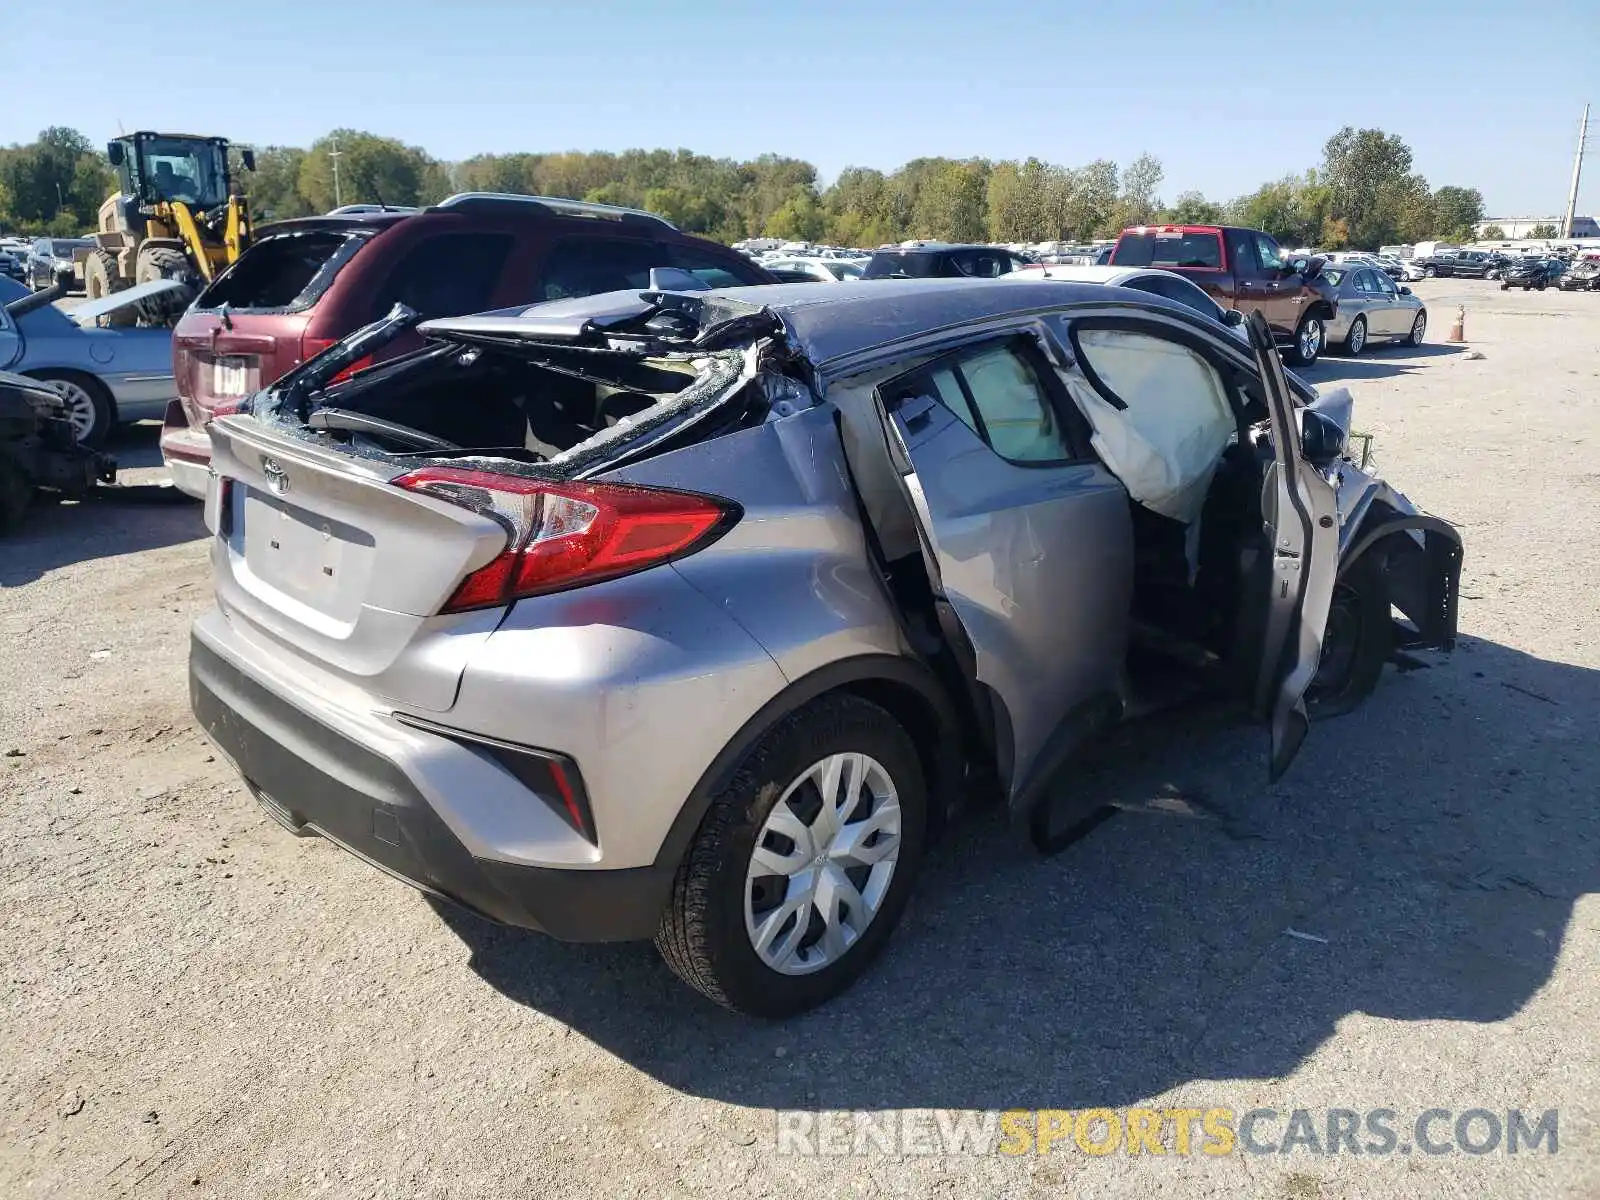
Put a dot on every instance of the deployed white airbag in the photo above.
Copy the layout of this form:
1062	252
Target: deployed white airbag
1166	444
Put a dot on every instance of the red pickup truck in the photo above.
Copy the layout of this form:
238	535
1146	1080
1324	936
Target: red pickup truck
1244	269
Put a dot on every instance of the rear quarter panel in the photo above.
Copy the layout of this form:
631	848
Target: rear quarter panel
645	680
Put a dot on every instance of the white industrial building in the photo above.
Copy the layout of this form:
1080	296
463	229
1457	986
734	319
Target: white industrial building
1521	227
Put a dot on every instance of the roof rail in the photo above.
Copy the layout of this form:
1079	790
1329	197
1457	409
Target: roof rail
556	205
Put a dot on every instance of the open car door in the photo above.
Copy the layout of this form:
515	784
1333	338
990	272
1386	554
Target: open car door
1299	508
1030	563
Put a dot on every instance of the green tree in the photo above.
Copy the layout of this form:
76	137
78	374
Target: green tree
1457	211
372	170
857	209
1373	189
54	183
1544	230
1493	233
1275	208
1136	202
274	188
799	218
1085	199
1192	208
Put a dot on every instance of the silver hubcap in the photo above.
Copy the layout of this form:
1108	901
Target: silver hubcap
79	405
1419	327
1310	339
822	864
1358	335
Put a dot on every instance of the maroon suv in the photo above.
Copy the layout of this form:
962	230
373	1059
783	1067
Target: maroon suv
305	284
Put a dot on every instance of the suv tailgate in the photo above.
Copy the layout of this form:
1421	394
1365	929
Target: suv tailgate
322	553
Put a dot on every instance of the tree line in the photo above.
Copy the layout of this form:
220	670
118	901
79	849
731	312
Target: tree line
1363	192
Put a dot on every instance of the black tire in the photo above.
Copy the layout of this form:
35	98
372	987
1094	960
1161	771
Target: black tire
1419	328
1504	286
101	279
1299	353
1354	342
160	262
99	400
703	936
1428	272
1358	639
1541	285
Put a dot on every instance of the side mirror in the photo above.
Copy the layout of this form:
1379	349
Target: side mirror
1405	291
115	152
247	157
1232	317
1322	439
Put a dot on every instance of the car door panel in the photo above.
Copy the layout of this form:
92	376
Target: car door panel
1392	319
1035	561
1299	508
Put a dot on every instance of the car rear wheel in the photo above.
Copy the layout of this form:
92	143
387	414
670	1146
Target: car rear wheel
1428	272
803	864
87	402
1309	338
1356	340
1418	328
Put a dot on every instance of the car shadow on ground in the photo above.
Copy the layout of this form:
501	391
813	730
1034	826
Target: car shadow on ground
120	518
1378	362
1430	845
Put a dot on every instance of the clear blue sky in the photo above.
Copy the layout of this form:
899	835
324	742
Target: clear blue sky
1487	95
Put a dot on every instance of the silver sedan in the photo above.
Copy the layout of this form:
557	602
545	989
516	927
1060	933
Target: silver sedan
1372	308
106	376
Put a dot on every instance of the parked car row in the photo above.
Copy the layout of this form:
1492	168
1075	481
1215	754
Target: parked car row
1583	277
48	257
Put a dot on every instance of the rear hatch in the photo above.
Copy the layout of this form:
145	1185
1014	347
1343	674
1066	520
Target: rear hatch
249	326
341	540
323	554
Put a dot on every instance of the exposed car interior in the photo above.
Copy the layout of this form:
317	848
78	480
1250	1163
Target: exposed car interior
1173	426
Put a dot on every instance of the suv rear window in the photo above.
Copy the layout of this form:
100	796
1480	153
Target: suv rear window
286	272
1202	249
446	276
905	264
712	270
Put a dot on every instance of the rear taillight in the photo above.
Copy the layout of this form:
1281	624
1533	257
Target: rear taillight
563	535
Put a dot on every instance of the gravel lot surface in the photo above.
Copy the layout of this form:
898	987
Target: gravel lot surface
195	1003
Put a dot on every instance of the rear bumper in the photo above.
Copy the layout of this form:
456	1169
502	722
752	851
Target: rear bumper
185	451
309	775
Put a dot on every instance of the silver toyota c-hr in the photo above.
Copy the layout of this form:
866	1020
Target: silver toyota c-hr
694	614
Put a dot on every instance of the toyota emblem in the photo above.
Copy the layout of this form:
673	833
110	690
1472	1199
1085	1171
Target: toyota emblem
277	477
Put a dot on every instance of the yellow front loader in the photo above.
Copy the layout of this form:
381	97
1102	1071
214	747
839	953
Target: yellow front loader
178	214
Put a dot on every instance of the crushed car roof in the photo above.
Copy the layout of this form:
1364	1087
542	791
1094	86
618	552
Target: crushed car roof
824	322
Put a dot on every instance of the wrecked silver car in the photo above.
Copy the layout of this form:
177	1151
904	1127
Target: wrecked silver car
693	615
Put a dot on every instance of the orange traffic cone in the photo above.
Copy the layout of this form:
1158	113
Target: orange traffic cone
1458	331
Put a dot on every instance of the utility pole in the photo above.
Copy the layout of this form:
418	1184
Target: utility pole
1577	173
338	200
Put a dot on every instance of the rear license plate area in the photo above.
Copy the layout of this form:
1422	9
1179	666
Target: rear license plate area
316	560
